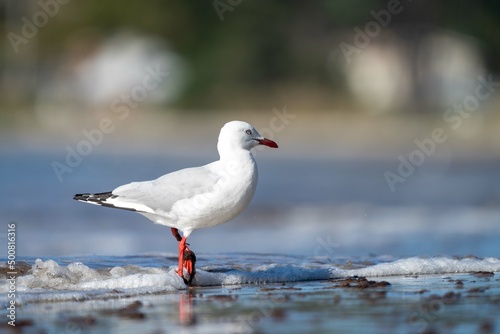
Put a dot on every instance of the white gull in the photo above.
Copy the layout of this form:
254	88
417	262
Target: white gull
196	197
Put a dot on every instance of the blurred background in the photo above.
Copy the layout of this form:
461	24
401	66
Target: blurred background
386	113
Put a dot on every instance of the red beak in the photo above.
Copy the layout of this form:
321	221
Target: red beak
267	142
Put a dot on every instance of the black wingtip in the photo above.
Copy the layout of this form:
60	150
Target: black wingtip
96	198
81	197
100	199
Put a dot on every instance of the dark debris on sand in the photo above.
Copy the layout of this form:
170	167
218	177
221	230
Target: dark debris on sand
360	283
22	326
223	298
81	321
483	274
448	298
130	311
21	268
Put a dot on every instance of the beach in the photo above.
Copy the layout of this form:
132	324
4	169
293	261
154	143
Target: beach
259	294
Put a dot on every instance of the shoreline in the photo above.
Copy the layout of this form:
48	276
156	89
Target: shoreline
299	132
406	303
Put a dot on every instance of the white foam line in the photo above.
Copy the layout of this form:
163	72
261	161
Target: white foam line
424	266
48	281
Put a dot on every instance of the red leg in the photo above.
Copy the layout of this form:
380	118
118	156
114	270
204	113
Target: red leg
187	259
182	248
175	233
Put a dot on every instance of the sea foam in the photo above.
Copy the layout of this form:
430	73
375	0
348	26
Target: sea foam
50	281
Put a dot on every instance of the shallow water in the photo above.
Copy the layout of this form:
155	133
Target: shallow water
278	267
246	293
314	206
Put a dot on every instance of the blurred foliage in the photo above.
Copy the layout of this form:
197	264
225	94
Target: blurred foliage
259	46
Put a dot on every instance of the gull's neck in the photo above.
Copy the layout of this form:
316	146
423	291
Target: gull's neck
238	166
230	149
232	152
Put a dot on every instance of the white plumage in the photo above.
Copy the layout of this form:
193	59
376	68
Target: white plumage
197	197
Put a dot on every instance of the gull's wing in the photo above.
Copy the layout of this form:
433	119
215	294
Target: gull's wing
161	194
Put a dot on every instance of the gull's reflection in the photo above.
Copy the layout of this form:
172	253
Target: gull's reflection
187	317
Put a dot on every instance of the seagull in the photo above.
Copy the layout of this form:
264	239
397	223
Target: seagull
196	197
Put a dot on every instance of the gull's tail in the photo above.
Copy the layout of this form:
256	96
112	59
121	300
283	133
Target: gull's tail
97	199
108	199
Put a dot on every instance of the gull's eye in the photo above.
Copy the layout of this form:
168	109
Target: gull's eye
248	132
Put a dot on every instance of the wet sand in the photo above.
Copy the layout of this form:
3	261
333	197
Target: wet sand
445	303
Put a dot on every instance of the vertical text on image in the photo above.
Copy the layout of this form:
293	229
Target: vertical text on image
11	273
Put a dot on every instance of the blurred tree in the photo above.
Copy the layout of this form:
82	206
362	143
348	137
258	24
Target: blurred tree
260	50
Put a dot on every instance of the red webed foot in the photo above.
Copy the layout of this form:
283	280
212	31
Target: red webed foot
187	259
189	264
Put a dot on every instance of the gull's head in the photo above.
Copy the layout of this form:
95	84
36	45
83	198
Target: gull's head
238	134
